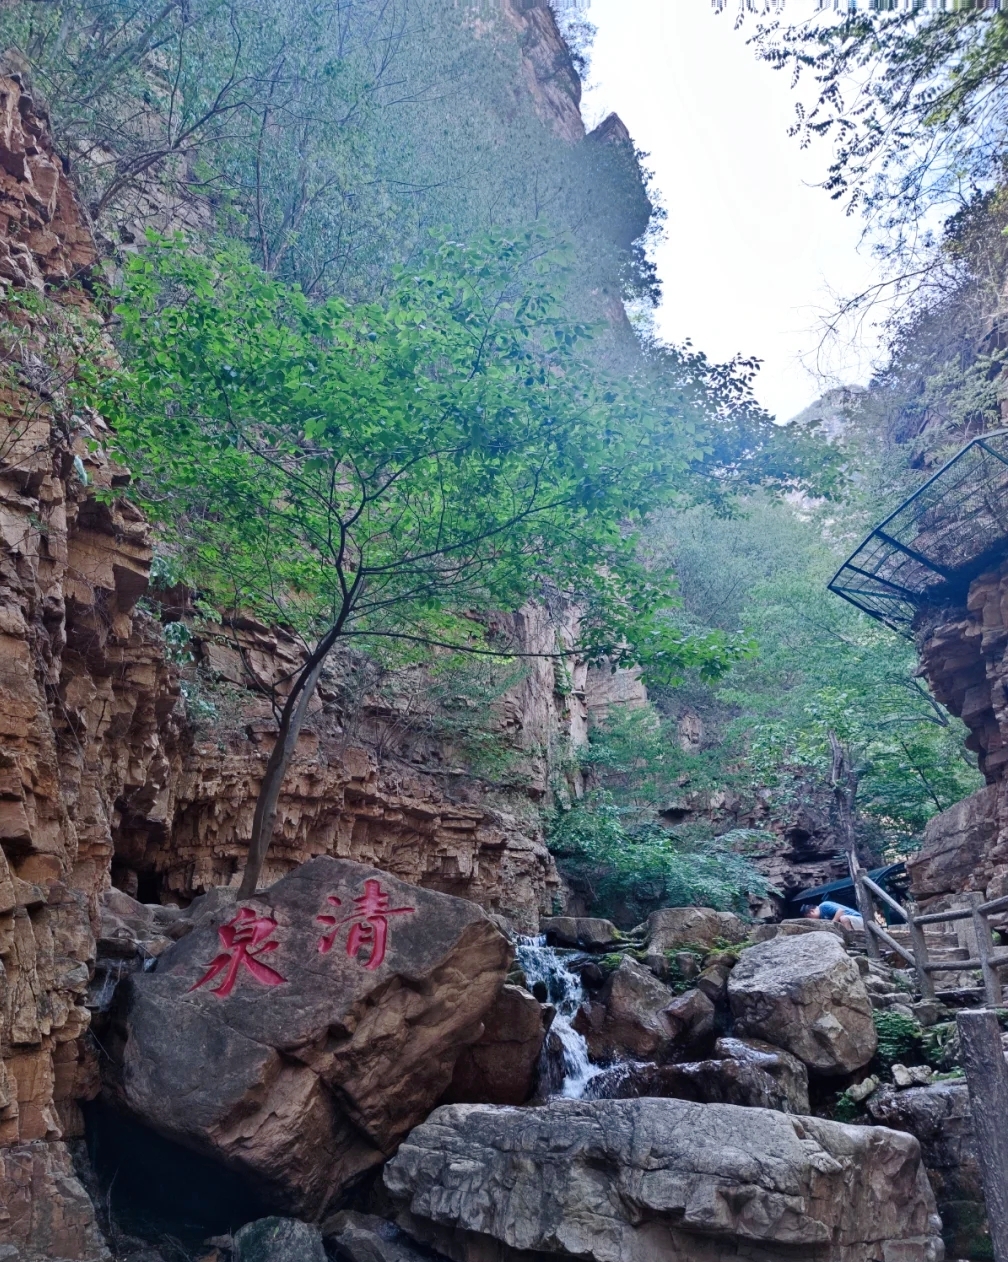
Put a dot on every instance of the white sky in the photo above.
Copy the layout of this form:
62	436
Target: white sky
753	248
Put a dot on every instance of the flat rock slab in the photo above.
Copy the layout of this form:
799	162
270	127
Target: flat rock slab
805	994
299	1035
588	932
661	1181
672	928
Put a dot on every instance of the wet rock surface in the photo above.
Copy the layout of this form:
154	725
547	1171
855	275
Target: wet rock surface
656	1180
805	994
299	1035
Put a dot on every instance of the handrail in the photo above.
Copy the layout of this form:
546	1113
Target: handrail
891	943
939	917
886	898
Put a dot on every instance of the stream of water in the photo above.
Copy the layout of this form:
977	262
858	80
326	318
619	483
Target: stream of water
542	963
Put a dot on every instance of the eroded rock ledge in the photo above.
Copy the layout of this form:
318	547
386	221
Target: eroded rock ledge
661	1181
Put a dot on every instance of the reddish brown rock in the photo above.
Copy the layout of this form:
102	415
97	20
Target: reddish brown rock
297	1037
500	1068
44	1211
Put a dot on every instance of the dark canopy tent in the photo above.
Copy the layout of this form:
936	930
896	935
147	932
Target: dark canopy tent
892	878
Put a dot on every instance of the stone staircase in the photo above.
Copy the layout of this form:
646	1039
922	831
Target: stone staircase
943	946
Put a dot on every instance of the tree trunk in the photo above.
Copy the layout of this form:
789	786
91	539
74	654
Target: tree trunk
292	719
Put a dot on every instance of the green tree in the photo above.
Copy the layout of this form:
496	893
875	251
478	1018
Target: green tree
821	665
915	104
390	471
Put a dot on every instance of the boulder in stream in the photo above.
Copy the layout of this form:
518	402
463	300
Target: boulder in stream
805	994
741	1072
297	1036
661	1181
628	1019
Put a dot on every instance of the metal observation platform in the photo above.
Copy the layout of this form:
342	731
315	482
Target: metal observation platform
930	549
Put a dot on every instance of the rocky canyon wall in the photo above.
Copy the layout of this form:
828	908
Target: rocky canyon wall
964	657
103	778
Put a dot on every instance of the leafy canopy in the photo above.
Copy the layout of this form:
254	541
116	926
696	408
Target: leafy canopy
916	104
389	469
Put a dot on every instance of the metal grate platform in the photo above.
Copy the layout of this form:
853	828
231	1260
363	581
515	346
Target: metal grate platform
928	551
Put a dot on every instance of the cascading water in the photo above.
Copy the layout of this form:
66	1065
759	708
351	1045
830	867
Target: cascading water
542	963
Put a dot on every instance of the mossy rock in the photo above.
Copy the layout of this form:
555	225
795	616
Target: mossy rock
965	1231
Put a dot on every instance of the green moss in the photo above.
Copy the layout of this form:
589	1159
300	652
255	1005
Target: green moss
965	1231
844	1108
899	1039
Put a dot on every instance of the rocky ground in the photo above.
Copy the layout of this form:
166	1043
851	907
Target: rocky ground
762	1091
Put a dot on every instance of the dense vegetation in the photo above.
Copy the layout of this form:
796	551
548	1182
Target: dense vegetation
384	382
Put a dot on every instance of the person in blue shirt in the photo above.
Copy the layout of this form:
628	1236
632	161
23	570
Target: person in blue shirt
827	910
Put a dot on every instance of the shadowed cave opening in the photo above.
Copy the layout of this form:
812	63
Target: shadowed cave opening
155	1189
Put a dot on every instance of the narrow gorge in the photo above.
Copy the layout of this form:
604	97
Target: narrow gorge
528	971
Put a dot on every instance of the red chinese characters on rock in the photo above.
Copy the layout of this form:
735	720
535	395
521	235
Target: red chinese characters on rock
368	921
246	938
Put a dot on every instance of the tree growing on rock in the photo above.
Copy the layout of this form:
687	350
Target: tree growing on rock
393	470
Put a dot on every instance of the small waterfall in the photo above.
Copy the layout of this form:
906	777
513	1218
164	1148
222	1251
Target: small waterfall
542	963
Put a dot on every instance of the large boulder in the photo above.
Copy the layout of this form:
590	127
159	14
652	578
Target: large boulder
501	1067
278	1240
674	927
588	932
628	1019
805	994
661	1181
299	1035
939	1117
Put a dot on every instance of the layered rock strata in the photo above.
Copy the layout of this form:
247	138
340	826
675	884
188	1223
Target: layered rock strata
661	1181
964	656
79	689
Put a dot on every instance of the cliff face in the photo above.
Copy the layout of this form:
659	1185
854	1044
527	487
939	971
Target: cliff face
370	790
550	75
964	656
78	689
102	778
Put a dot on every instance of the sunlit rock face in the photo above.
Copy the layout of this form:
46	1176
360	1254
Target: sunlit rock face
298	1036
805	994
661	1181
